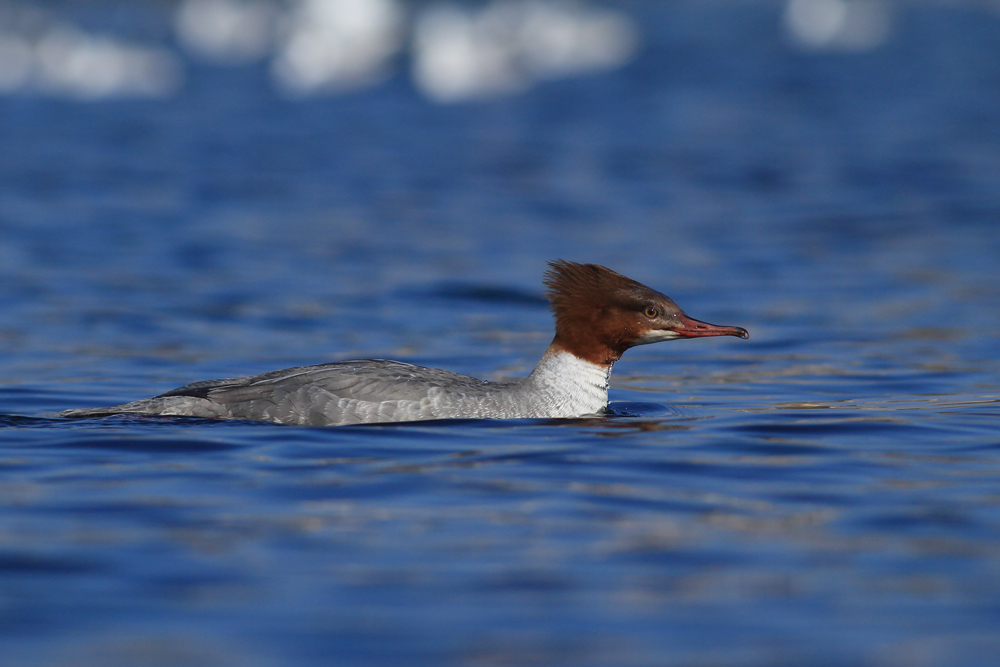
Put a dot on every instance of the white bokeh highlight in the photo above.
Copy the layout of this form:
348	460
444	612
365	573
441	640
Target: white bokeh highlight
331	45
90	67
464	53
227	31
844	25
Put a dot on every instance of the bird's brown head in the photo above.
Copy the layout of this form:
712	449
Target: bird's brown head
600	314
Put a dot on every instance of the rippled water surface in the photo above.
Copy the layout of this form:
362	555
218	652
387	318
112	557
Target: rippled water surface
827	492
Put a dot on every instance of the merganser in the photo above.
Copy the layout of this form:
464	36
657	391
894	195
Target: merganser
599	314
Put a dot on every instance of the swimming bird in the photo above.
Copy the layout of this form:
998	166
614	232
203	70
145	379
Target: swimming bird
598	313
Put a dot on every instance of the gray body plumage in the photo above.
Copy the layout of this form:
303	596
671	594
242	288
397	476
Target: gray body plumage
373	390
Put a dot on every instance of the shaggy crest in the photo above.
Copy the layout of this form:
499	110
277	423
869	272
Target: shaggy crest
571	282
592	286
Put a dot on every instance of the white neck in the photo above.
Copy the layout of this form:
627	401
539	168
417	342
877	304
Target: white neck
568	386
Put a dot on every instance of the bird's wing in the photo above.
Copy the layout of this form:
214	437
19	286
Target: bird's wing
335	393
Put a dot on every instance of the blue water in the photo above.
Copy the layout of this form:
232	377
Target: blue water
825	493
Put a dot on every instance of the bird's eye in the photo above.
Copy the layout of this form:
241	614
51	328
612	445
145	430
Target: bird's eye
651	312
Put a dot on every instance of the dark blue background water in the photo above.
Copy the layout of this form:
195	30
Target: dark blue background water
826	493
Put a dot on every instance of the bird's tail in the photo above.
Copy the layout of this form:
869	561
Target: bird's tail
80	413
